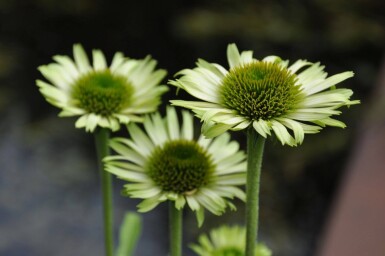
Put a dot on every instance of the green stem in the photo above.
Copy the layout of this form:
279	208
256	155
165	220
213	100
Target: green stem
101	141
255	145
175	220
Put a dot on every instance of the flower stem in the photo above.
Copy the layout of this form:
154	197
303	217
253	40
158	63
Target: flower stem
175	220
101	141
255	145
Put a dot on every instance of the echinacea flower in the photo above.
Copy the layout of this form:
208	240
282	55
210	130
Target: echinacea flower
226	241
164	162
268	94
102	95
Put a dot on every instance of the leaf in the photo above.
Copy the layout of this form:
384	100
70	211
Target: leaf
130	231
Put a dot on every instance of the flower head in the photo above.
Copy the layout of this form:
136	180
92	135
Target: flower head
164	162
226	241
101	95
267	94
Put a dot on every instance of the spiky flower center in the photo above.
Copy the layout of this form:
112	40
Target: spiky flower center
228	251
180	166
259	90
102	92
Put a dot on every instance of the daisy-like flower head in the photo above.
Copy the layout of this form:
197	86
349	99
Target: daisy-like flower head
164	162
226	241
101	95
267	94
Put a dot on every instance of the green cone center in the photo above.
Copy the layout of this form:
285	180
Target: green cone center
102	93
230	251
259	90
180	166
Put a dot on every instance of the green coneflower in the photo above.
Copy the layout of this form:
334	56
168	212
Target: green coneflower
263	96
226	241
164	162
102	95
268	95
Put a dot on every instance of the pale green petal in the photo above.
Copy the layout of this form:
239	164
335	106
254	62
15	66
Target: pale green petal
330	122
81	59
145	193
262	127
192	203
246	57
228	164
122	148
233	56
203	141
140	139
153	79
282	134
149	204
187	131
180	202
312	75
232	179
212	130
126	67
224	169
81	122
272	59
71	111
117	60
243	125
298	65
92	122
52	93
126	175
230	192
194	88
172	124
193	104
200	215
54	76
99	61
68	64
125	165
299	133
114	124
156	129
218	70
330	81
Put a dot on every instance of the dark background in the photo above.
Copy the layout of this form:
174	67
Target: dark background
49	190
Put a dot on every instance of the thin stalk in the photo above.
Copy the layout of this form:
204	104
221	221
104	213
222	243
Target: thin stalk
175	220
101	141
255	145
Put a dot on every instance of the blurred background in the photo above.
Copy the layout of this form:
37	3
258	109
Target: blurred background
49	185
